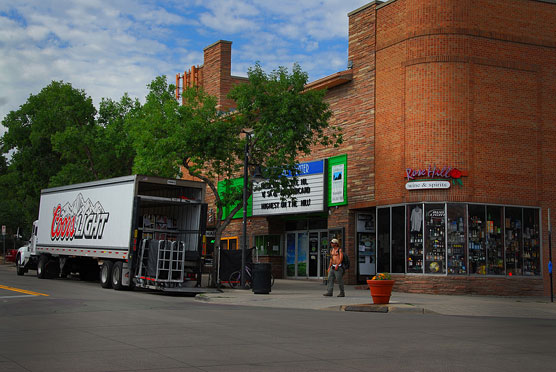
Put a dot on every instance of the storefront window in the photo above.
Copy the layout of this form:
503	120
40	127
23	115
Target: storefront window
268	245
456	239
494	241
457	258
531	242
398	239
229	243
415	241
384	240
477	245
435	242
366	243
513	222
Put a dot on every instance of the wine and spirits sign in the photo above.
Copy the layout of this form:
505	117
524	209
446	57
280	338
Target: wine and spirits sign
309	194
432	177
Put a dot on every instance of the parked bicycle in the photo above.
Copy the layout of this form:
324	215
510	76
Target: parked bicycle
235	278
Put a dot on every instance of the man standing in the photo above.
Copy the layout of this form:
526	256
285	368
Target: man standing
335	269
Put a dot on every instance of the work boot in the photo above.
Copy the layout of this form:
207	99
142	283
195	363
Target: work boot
328	294
342	294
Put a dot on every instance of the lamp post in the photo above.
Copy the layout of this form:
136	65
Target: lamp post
245	185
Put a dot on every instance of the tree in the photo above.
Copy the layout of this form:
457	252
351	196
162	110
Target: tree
29	139
55	139
285	121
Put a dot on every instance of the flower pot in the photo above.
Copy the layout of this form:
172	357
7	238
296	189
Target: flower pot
380	290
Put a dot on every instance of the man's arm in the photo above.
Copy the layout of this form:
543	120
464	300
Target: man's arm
341	257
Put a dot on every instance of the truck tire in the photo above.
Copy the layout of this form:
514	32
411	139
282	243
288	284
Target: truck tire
19	269
106	274
117	276
41	267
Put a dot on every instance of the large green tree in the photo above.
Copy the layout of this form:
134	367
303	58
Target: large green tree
56	138
284	120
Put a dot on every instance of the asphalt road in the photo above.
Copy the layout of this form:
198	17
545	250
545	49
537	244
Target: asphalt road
78	326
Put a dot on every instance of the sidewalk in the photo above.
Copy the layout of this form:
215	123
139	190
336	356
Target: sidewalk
306	294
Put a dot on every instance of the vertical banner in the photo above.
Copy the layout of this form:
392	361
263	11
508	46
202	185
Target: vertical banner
337	184
337	180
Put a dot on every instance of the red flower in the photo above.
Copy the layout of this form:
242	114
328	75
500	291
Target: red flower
455	173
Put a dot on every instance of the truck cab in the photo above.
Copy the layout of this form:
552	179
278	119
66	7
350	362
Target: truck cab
26	256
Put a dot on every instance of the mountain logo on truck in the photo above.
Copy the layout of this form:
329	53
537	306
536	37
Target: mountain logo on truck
78	220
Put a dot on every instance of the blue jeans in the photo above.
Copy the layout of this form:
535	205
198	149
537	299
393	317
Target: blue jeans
335	275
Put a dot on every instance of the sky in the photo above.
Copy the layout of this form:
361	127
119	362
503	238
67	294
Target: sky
111	47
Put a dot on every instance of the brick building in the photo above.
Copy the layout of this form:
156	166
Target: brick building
445	177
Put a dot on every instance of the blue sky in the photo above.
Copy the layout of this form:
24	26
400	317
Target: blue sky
111	47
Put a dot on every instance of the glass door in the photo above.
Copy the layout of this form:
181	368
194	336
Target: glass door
302	253
306	253
290	254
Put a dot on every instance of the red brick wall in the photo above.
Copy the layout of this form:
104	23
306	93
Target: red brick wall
491	286
470	85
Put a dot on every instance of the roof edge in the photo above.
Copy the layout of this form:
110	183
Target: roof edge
217	42
330	81
377	2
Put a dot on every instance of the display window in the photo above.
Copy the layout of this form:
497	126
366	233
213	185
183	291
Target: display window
268	245
366	243
476	239
435	242
415	239
383	239
455	239
495	240
531	242
398	239
513	228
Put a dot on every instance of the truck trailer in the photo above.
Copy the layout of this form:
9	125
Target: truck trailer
129	231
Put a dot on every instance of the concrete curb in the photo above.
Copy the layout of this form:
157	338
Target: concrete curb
389	308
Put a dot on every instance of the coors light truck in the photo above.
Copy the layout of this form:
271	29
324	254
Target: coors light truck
135	231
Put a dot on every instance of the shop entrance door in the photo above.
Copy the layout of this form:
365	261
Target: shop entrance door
305	254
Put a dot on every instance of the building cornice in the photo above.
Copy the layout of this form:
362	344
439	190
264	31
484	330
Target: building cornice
330	81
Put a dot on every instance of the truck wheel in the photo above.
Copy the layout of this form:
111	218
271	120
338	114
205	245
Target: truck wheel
19	269
41	267
117	276
106	274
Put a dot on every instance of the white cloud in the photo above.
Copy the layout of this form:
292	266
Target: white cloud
110	47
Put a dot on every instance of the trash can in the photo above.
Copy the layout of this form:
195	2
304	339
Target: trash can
261	278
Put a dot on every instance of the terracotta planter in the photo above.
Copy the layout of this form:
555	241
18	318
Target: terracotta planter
381	290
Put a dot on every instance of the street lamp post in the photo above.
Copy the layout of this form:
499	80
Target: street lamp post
245	185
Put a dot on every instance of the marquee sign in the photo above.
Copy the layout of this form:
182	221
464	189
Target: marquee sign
309	194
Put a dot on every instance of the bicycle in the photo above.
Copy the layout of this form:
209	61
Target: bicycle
235	278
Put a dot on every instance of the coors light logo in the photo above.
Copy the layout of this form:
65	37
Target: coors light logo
79	220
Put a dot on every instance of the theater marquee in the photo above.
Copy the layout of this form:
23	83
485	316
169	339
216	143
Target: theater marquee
309	195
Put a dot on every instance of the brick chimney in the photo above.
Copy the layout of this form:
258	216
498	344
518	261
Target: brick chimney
217	72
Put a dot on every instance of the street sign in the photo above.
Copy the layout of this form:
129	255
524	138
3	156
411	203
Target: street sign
3	229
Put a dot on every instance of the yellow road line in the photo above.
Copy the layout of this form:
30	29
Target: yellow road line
22	291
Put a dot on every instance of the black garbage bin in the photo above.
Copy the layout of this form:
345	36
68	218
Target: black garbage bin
261	278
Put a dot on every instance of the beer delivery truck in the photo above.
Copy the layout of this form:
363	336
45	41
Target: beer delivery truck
129	231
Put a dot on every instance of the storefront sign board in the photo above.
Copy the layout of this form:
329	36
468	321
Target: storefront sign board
337	183
423	185
310	196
